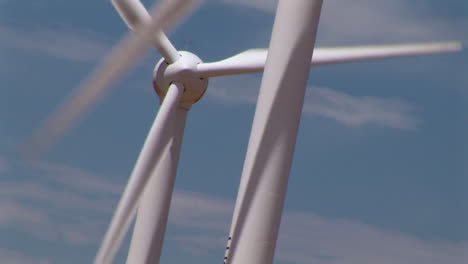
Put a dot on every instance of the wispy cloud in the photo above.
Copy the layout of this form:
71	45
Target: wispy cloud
76	179
380	21
65	222
263	5
16	214
62	43
309	238
241	90
352	111
201	223
3	165
59	204
13	212
360	110
374	21
8	256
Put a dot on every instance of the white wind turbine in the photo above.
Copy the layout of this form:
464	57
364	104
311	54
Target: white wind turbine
180	80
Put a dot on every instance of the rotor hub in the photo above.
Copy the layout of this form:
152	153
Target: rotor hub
183	71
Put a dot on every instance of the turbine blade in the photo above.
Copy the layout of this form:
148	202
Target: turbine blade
259	204
133	12
151	221
249	61
120	59
334	55
149	156
253	60
135	15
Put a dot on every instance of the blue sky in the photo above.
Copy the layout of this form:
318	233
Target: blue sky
380	172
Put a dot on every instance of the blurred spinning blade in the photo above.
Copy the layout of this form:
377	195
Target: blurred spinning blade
124	55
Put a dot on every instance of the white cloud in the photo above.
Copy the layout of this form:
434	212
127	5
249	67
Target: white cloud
3	165
189	210
201	224
35	220
62	43
8	256
84	211
263	5
45	218
13	212
60	204
77	179
52	197
200	244
234	90
357	22
370	21
374	21
308	238
359	110
353	111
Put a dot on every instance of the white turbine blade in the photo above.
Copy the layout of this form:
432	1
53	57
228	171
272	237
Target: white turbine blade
121	58
253	60
150	225
148	158
267	165
134	13
249	61
336	55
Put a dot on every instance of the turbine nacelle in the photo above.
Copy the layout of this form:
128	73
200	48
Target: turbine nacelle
183	71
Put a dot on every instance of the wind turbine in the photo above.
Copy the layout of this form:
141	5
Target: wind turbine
180	79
